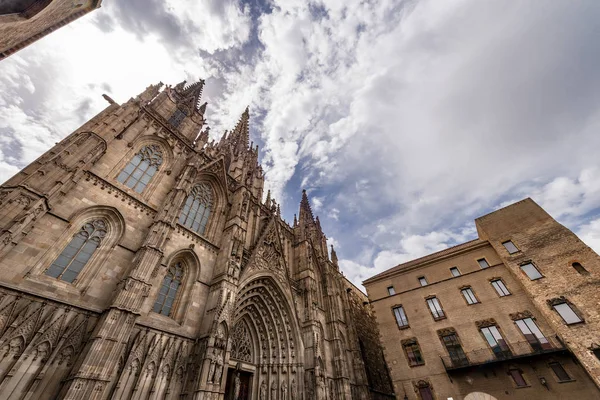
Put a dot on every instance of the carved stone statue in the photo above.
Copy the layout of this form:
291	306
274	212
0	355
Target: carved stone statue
218	369
284	391
236	386
293	390
322	391
211	371
273	390
263	390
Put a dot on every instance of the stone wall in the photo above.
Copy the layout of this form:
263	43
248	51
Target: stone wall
16	32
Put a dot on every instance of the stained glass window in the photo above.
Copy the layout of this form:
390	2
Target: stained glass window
142	167
168	291
78	252
197	208
177	117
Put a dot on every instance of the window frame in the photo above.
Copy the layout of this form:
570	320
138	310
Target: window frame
391	291
535	341
422	279
521	376
580	269
413	353
494	280
125	177
403	311
501	348
535	268
572	309
516	249
175	305
479	260
209	210
562	369
452	269
433	300
472	296
98	232
456	352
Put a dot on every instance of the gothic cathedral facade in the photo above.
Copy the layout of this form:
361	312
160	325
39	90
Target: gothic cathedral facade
138	260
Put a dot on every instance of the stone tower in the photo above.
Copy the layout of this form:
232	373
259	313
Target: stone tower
139	261
23	22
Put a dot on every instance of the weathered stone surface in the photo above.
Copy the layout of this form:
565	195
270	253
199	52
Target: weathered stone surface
258	310
552	249
28	21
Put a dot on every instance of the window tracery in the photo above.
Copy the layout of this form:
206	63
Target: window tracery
142	167
197	208
241	346
78	252
169	290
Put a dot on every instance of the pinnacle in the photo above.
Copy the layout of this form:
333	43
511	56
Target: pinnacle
306	213
190	95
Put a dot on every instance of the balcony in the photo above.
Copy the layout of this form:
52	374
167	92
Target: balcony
516	351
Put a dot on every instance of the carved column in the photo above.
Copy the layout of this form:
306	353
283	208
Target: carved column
95	370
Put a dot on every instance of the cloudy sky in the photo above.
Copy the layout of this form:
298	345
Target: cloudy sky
404	120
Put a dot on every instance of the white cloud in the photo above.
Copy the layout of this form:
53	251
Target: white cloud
405	120
590	234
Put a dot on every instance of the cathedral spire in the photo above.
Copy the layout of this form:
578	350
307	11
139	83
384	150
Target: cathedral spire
240	136
189	96
334	258
305	215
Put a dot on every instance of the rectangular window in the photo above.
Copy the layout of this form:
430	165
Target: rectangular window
454	271
517	377
533	334
422	281
559	371
426	393
483	263
435	308
567	313
413	354
500	287
496	341
531	271
510	247
391	290
455	350
469	296
400	316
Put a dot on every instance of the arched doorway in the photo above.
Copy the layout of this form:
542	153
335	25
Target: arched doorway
266	350
479	396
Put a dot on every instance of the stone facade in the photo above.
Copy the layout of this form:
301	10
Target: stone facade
477	338
138	261
22	22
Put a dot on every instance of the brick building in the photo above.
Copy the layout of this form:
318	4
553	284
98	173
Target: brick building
513	314
22	22
139	261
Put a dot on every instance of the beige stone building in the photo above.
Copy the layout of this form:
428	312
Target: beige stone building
139	261
513	314
22	22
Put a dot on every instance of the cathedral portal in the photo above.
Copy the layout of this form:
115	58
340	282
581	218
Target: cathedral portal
265	341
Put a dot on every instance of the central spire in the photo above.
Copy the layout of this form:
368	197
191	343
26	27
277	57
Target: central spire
240	136
189	96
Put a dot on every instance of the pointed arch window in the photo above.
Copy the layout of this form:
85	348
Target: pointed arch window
169	290
197	208
78	252
142	167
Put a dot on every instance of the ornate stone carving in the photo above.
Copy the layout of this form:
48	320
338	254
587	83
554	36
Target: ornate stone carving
446	331
485	323
521	315
241	345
